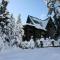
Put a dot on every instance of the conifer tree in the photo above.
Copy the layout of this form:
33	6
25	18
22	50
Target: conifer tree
19	32
4	21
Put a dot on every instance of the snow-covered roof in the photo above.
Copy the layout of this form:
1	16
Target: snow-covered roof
36	22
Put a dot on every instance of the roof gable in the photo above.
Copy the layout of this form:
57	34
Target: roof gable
38	23
34	20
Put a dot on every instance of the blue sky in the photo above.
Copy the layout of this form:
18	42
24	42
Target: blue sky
36	8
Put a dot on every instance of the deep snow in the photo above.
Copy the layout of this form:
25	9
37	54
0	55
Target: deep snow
31	54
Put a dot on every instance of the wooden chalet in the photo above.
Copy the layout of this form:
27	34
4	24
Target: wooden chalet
33	27
36	27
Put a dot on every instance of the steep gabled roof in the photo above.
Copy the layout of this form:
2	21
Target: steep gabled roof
36	22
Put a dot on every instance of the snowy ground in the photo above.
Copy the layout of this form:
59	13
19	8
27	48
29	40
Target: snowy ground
31	54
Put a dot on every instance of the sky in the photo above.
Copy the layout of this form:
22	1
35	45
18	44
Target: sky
36	8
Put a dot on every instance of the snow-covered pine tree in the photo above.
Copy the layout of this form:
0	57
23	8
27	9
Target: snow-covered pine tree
19	32
4	21
54	13
10	28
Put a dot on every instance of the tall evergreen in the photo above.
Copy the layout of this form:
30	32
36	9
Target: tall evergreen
4	21
19	32
54	13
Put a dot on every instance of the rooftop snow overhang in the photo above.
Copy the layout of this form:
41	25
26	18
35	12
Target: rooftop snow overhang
37	26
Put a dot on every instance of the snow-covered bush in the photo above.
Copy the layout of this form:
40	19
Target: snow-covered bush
25	44
56	43
32	43
28	44
47	42
38	43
